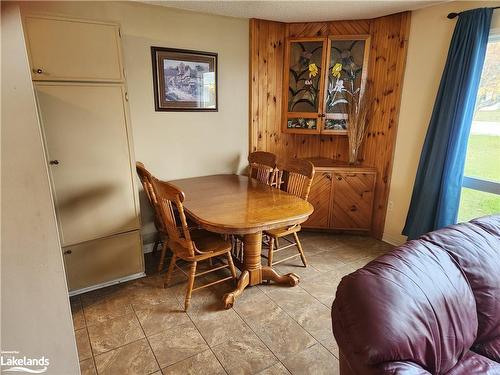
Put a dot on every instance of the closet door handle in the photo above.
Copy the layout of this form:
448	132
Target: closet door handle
54	162
38	71
67	252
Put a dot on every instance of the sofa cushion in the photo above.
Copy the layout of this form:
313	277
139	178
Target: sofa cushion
475	364
412	304
475	246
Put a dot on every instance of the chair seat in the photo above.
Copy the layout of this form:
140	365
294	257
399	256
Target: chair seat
210	243
281	232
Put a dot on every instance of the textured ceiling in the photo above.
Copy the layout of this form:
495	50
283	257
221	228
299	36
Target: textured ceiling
299	11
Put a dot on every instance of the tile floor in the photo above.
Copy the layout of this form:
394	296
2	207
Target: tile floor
140	328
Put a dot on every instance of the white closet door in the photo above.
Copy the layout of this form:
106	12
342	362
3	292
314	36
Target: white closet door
85	131
95	262
71	50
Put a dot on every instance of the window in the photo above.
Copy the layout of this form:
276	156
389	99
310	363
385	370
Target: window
481	185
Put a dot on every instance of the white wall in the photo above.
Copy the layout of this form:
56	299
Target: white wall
35	312
177	144
430	37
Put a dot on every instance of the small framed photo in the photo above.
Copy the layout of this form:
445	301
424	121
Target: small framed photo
184	80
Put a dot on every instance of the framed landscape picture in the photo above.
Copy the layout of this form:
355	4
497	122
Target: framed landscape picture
184	80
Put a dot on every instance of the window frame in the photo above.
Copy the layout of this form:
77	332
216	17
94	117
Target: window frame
481	184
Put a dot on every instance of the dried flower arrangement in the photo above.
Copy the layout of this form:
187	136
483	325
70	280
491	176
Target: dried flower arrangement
358	110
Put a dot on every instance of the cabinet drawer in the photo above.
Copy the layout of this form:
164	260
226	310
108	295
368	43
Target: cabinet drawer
103	260
71	50
352	200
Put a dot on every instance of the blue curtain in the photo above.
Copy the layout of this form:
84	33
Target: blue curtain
436	193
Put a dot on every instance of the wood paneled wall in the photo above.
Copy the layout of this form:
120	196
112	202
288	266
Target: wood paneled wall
389	39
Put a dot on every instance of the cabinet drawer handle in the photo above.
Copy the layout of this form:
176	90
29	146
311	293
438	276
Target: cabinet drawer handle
353	209
54	162
328	175
68	252
38	71
339	178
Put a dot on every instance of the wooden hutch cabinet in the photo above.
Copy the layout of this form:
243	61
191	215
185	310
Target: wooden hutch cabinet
318	73
342	196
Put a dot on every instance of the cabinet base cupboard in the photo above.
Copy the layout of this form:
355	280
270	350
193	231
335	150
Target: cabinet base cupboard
342	196
81	95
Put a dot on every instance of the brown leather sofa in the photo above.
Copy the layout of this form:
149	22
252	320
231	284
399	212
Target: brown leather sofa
430	306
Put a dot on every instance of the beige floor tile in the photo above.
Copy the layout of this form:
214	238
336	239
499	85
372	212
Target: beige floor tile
326	260
306	310
277	369
291	299
315	319
99	295
359	263
77	313
254	304
203	363
277	329
315	242
315	360
244	355
149	291
304	273
162	316
114	333
106	308
134	359
219	326
325	285
331	344
87	367
83	344
176	344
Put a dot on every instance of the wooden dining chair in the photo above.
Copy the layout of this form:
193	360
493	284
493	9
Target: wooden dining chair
261	166
295	177
192	246
146	180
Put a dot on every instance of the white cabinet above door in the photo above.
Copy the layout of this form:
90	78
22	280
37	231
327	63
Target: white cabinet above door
87	143
73	50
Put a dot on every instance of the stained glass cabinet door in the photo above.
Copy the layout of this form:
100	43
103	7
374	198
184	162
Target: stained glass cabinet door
304	85
346	71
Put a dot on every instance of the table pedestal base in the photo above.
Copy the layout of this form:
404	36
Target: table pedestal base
253	273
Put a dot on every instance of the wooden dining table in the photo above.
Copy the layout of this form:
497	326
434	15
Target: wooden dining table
233	204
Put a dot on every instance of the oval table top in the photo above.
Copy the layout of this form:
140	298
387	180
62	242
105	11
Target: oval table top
240	205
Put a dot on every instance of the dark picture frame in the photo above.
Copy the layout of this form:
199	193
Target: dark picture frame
184	80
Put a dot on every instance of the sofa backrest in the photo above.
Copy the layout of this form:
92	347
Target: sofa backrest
475	246
417	303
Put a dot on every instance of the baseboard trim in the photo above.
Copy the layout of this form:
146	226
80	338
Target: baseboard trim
108	283
395	240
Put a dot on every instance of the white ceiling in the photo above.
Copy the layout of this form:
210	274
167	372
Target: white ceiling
299	11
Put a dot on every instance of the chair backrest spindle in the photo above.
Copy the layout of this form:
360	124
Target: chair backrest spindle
262	165
168	197
295	177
